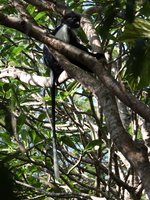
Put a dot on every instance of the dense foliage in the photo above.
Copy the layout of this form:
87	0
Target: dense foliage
94	151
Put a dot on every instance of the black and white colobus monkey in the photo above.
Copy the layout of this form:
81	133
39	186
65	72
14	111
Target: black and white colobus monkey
65	32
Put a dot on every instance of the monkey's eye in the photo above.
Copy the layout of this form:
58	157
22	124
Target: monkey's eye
69	17
75	19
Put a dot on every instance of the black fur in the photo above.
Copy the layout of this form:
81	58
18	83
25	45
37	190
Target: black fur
64	32
72	21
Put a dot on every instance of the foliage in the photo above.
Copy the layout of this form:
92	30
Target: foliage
90	164
137	34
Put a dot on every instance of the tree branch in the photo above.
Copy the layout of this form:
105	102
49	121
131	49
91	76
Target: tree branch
60	195
29	78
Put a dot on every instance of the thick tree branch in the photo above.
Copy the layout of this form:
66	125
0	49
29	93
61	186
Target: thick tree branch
55	6
135	152
24	15
91	32
29	78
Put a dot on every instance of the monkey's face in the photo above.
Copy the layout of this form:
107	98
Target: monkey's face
72	20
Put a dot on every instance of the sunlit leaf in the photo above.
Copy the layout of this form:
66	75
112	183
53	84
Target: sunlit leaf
138	29
16	51
39	15
92	144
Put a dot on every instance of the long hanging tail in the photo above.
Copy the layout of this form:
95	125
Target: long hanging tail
56	167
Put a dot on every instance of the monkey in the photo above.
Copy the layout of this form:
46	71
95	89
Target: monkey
64	32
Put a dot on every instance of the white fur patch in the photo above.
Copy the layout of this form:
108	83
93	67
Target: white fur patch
62	34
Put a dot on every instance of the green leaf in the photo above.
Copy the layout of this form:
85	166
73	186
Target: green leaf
11	156
39	15
31	9
8	123
138	70
64	94
72	86
108	21
138	29
6	138
35	138
20	122
137	66
42	116
7	86
47	98
6	47
65	139
146	8
130	13
92	144
24	135
16	51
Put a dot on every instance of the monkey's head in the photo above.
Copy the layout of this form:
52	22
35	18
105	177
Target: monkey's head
72	20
